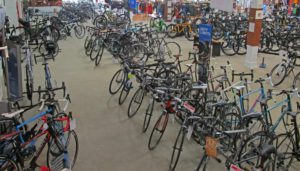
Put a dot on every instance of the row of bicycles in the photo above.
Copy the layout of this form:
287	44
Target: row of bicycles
230	30
137	41
231	115
39	126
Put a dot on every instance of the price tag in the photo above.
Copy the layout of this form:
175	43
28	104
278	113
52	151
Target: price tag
72	124
189	107
235	168
211	146
45	126
189	133
48	23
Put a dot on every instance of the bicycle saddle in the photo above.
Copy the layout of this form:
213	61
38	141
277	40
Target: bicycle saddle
159	60
25	24
251	115
293	114
267	149
177	56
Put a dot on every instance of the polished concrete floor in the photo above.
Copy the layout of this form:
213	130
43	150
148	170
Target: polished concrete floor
109	141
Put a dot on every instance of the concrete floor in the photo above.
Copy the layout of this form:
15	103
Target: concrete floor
109	141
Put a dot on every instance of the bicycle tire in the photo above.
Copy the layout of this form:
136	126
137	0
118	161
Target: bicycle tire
177	146
120	82
148	115
188	34
95	50
282	72
8	164
80	34
52	147
288	143
29	85
124	94
172	30
131	112
203	163
262	138
227	50
86	41
296	81
99	56
42	49
100	22
172	49
164	117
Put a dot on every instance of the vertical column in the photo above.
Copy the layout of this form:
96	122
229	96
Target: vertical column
169	10
254	31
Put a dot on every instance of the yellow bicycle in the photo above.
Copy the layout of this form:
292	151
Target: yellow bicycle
174	30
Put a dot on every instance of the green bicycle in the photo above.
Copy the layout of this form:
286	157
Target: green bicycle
158	23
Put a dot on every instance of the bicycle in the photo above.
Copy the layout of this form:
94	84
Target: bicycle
68	26
186	27
52	127
288	144
282	70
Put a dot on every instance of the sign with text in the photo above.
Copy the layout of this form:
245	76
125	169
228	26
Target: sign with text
205	32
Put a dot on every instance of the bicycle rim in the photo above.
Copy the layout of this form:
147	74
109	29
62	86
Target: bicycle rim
148	115
116	82
158	131
177	149
135	102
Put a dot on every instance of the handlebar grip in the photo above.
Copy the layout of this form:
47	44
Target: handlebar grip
252	75
232	76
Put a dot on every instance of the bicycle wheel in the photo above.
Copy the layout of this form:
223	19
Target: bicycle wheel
95	50
86	41
172	30
296	81
158	131
171	49
227	48
7	164
138	52
56	157
188	34
124	92
177	149
43	49
29	84
218	31
100	22
99	56
249	155
148	115
285	144
136	102
116	82
203	163
79	31
278	74
90	43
